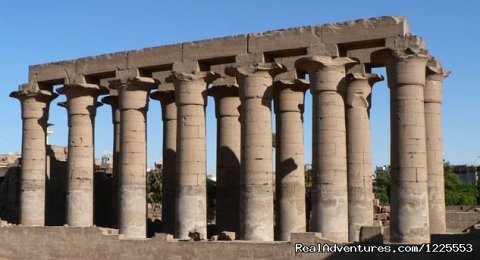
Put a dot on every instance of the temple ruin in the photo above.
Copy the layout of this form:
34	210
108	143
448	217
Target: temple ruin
250	77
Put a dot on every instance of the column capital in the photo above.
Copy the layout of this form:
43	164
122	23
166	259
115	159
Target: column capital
372	78
133	91
314	63
39	95
435	75
219	91
359	87
164	96
406	66
34	103
78	89
272	68
289	95
134	83
227	100
206	76
112	100
435	70
191	87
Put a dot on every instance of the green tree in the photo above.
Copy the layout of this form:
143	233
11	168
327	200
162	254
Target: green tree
154	186
382	186
211	192
458	192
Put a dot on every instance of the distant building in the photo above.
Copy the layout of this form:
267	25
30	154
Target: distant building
467	173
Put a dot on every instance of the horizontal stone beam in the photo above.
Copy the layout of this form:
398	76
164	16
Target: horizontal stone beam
351	35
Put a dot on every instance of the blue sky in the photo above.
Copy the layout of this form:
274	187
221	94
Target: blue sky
34	32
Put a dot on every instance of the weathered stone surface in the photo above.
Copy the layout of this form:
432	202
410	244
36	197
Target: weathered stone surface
363	29
132	196
102	63
329	163
169	183
256	181
409	195
35	107
357	34
155	57
433	125
290	215
191	198
81	106
227	111
359	159
112	100
222	47
371	235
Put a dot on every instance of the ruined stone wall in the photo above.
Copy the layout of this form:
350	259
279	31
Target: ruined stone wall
93	243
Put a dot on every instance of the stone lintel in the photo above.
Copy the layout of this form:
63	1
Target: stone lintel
277	43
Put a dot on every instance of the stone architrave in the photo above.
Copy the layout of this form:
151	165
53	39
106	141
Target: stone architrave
329	163
35	108
359	152
169	118
256	177
82	105
227	105
409	217
290	215
112	100
433	125
133	95
191	192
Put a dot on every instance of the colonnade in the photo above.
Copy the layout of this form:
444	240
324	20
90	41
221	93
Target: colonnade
251	200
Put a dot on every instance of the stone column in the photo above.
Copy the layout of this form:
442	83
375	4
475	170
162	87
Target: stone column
256	178
290	166
359	152
227	105
35	106
409	189
112	100
329	164
169	117
433	126
132	180
191	192
82	105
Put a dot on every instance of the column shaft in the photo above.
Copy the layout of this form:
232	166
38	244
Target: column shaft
256	181
169	117
329	164
81	106
359	159
290	170
409	189
113	102
227	105
132	195
35	106
433	126
191	193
